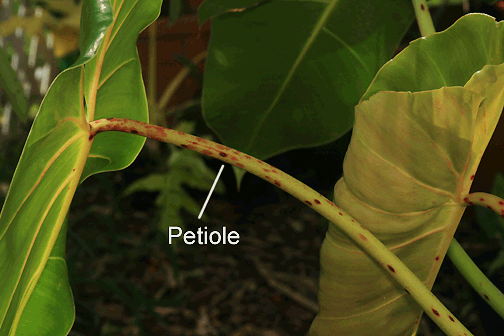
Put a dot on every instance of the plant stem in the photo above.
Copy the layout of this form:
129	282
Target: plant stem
358	233
423	18
485	288
477	279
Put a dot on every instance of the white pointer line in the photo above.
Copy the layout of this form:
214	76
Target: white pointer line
211	191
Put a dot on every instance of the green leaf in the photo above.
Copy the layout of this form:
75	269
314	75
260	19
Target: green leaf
411	160
59	153
292	81
9	81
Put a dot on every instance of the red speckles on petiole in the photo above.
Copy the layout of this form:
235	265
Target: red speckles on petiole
266	170
308	202
437	258
362	237
234	158
486	297
422	7
222	154
501	203
472	177
451	318
391	268
278	184
206	152
239	165
482	200
317	201
435	311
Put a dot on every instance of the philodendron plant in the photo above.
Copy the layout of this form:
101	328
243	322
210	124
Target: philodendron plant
420	131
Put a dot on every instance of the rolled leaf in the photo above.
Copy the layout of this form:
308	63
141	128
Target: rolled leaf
412	157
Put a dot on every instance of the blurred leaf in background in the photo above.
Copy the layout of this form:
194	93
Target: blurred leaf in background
62	17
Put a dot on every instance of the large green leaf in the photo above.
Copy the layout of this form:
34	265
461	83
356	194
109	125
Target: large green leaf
287	74
411	160
12	86
59	153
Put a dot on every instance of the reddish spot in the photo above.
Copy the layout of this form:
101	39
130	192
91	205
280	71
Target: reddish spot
451	318
207	152
435	312
278	184
489	207
185	146
437	258
274	171
330	203
407	291
353	220
221	146
259	161
73	169
248	157
472	177
486	297
317	201
466	199
239	165
237	153
482	200
391	268
362	237
134	131
193	142
307	202
91	137
501	203
201	140
340	214
422	7
222	154
268	177
234	158
266	170
181	133
362	227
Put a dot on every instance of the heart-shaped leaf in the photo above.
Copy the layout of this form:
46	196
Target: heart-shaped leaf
288	74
